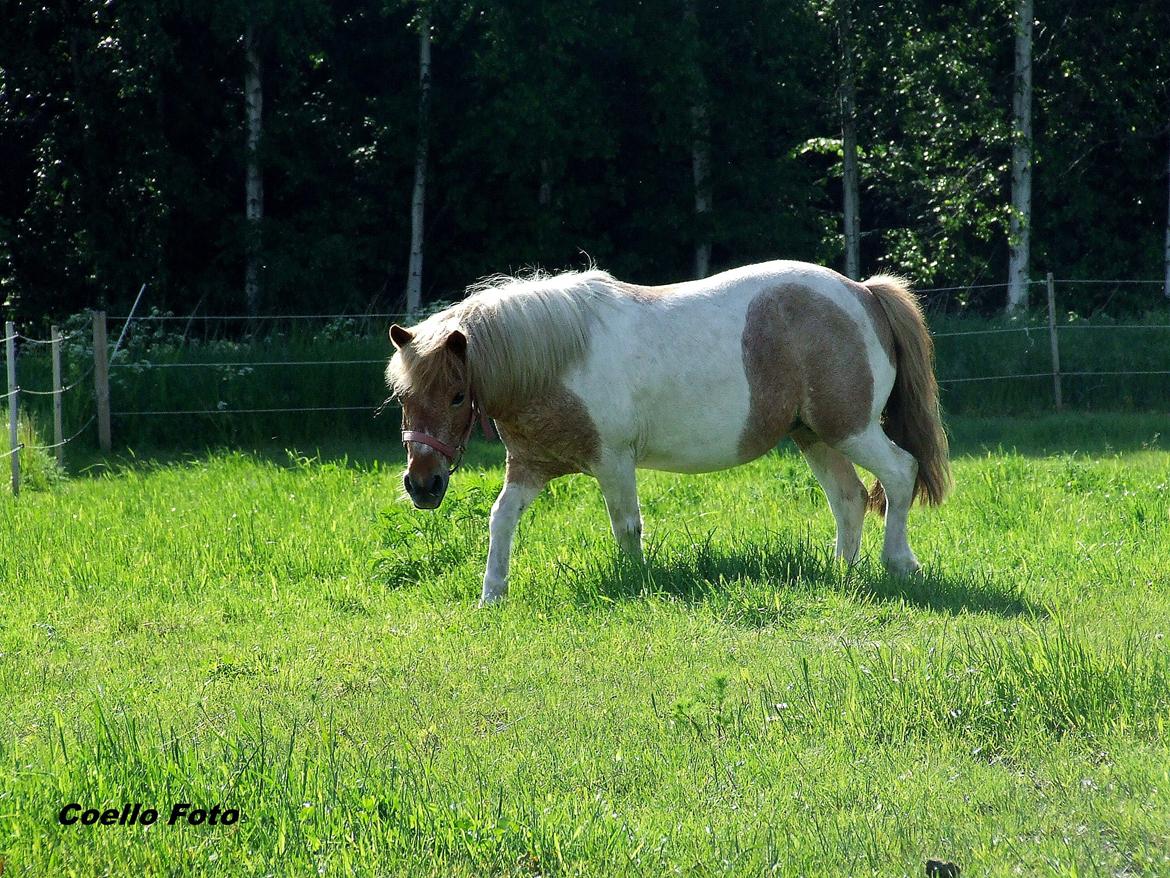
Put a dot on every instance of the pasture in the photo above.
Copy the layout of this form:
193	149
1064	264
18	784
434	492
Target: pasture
285	635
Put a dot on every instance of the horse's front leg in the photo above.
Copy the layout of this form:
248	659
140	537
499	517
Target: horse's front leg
520	488
619	486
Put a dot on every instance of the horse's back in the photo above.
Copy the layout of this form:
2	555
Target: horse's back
707	374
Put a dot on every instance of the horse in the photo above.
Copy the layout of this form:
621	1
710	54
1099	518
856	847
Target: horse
584	373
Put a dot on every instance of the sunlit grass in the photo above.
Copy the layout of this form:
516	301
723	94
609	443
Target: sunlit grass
283	634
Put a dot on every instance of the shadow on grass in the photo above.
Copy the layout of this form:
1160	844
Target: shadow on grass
361	455
773	582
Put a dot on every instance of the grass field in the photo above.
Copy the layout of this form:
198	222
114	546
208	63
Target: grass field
284	635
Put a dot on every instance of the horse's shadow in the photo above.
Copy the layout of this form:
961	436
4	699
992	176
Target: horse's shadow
764	583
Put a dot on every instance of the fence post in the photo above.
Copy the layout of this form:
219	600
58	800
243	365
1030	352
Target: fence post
13	405
101	378
58	430
1056	388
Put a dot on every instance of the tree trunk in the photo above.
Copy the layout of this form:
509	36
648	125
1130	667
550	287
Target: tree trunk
545	195
700	149
1166	253
254	185
418	201
1021	219
849	147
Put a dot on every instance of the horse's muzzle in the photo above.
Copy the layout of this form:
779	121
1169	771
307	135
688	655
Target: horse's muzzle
427	493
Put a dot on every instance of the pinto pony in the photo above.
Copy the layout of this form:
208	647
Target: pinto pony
584	373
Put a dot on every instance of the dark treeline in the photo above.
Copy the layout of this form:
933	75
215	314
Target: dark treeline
561	131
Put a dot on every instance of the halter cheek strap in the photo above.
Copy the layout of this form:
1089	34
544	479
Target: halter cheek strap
453	454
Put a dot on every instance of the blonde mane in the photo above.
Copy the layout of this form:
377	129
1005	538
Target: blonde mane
522	333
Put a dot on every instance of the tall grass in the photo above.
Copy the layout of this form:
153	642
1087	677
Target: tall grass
38	467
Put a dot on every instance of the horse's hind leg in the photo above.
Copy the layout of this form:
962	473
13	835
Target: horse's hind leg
846	494
897	470
619	486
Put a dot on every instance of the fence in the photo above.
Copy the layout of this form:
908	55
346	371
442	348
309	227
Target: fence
56	393
364	372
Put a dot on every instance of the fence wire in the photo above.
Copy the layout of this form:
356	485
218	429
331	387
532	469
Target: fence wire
238	364
47	341
226	411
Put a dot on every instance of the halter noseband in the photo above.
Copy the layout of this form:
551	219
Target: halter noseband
455	455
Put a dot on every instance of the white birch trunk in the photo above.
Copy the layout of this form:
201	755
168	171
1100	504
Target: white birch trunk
849	147
1021	220
254	183
545	195
700	149
701	172
418	200
1166	254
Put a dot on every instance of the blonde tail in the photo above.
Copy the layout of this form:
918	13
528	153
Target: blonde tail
912	418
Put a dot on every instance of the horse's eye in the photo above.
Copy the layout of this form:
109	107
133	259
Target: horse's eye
458	400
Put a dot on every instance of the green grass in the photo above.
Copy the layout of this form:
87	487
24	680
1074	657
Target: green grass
285	635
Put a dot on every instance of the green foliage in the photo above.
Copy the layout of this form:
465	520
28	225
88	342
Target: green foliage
559	129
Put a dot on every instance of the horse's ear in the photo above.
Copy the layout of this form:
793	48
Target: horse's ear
400	336
457	343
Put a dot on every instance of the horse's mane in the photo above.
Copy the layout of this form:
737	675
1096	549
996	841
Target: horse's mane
522	333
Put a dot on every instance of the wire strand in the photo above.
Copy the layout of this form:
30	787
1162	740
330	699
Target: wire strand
339	408
1093	281
996	377
1090	374
64	389
1117	326
83	428
46	341
144	365
987	331
167	317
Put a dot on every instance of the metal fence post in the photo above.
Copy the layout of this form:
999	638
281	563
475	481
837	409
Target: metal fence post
58	430
1056	388
13	405
101	378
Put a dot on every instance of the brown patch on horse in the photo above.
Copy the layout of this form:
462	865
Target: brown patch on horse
881	323
805	360
549	437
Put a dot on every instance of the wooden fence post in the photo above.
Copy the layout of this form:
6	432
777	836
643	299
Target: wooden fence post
1056	388
58	430
101	378
13	405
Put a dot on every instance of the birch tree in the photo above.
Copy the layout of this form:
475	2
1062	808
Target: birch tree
254	182
700	145
1166	246
849	145
418	200
1021	217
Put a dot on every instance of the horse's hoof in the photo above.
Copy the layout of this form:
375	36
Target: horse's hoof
489	600
903	566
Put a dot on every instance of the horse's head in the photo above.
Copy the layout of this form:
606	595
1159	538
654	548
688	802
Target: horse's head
428	374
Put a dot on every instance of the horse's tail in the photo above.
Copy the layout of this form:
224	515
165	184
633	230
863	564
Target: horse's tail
912	417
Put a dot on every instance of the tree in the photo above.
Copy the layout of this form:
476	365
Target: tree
254	182
1021	217
418	199
700	142
848	102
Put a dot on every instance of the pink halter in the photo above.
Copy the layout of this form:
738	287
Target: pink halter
453	454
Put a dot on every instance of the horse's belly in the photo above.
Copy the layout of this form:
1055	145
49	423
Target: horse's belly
697	433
